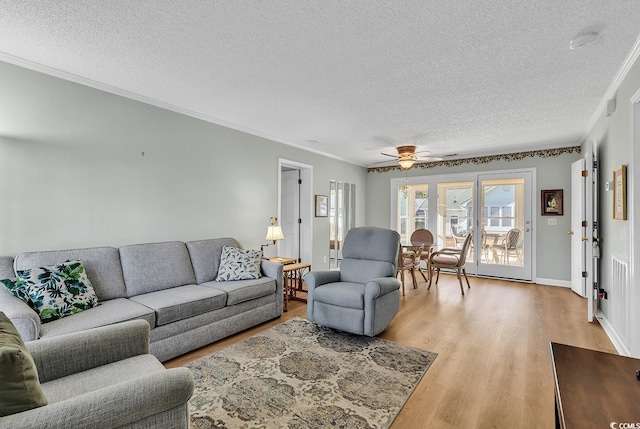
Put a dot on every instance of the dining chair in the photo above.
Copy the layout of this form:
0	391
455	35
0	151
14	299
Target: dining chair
452	258
424	237
458	238
409	260
511	244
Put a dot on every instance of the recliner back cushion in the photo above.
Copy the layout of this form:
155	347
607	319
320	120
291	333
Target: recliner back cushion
369	253
155	266
101	264
377	244
205	257
361	271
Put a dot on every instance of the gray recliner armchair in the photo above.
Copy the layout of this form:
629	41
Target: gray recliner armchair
105	378
363	297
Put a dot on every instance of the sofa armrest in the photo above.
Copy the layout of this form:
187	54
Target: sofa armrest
274	270
23	317
63	355
114	406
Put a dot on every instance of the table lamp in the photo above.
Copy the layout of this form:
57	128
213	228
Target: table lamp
274	232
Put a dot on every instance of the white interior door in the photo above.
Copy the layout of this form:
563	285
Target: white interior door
578	231
290	213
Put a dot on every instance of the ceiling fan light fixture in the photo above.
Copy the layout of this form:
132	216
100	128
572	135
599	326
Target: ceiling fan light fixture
406	164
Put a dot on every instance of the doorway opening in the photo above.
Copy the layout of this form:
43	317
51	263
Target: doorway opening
295	210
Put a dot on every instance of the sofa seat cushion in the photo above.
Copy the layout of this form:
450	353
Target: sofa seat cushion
103	376
107	313
181	302
244	290
343	294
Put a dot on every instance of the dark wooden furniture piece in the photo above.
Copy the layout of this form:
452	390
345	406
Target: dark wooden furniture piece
594	389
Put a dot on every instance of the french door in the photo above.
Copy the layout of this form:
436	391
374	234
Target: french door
495	208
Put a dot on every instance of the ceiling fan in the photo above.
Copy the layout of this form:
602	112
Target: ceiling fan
407	156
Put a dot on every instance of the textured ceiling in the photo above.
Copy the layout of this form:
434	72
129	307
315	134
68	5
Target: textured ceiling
346	78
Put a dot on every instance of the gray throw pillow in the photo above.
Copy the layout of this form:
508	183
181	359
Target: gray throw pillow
236	264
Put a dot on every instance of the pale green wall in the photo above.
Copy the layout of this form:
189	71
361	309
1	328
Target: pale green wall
553	251
614	136
72	172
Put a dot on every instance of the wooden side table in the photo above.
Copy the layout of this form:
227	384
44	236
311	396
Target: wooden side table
594	389
293	274
284	261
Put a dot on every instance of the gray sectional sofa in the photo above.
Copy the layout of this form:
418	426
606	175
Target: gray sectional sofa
171	285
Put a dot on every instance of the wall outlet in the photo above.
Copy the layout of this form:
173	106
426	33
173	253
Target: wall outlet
552	221
324	259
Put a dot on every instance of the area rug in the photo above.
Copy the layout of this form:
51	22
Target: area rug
299	375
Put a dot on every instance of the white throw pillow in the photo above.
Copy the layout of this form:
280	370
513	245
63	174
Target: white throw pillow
236	264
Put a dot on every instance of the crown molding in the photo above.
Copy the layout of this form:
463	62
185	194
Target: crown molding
51	71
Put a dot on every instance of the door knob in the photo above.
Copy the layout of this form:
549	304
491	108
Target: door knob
570	233
585	238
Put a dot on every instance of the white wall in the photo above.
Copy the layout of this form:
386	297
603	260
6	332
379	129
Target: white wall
553	251
72	172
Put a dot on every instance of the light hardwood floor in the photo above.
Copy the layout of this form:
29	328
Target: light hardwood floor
493	368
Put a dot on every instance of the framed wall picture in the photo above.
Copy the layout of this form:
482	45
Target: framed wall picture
322	206
551	202
620	193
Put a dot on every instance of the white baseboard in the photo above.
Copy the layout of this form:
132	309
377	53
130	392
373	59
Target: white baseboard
553	282
613	335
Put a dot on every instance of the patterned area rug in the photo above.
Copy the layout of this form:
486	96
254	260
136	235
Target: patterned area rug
298	375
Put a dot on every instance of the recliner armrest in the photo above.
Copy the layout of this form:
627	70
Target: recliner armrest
63	355
114	406
319	278
380	286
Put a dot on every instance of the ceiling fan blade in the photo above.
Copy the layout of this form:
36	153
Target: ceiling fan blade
426	152
384	162
429	159
386	154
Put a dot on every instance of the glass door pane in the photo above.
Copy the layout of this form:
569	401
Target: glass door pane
413	209
505	219
455	215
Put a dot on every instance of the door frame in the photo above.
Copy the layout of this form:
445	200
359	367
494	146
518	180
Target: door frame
432	182
578	230
634	183
306	206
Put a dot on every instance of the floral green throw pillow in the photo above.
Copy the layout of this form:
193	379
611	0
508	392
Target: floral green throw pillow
55	291
236	264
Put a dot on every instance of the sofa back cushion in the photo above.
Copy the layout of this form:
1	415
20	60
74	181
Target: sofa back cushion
6	267
205	257
102	266
155	266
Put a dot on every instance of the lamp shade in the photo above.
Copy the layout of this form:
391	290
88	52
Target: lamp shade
274	232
